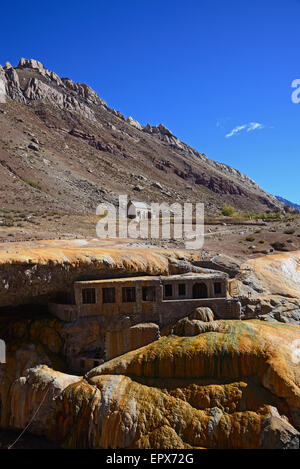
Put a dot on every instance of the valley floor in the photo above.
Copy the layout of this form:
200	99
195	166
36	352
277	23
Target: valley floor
240	239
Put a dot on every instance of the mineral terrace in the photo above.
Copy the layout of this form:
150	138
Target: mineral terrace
148	348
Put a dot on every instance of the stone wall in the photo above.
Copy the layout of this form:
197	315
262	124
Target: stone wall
118	342
223	308
83	364
146	307
66	313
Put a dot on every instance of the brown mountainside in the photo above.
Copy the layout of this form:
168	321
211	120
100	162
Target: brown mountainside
63	148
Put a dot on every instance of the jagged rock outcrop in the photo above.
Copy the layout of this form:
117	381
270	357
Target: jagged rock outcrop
164	134
48	86
83	90
37	90
278	433
36	65
13	85
134	123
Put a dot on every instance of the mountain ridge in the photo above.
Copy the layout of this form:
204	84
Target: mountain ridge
288	202
95	153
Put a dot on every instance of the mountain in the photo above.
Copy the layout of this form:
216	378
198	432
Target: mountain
63	148
288	202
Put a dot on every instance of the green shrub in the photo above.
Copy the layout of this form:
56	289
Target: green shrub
263	216
228	211
33	184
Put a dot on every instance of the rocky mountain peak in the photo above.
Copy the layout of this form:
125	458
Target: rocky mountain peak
31	81
7	66
31	63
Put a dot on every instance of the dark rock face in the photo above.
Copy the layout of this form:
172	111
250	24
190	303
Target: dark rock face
219	185
278	433
279	246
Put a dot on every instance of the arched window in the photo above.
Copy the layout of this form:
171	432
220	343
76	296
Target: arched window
200	290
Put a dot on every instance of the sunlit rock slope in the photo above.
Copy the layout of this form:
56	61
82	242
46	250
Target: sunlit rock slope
272	286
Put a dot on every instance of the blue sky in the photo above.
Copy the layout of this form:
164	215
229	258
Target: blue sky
201	67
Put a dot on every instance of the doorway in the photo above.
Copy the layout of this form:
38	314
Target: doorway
200	290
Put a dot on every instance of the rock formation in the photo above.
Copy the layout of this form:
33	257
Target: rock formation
232	387
202	314
199	383
37	273
270	287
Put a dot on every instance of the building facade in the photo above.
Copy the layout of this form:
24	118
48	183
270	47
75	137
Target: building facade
132	310
138	210
153	298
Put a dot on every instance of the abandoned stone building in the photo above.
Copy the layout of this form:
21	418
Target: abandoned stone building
155	298
132	310
138	210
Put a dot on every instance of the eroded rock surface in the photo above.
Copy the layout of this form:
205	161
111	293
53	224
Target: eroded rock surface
38	272
232	387
270	286
200	383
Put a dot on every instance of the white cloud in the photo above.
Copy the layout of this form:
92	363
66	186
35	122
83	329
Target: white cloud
254	126
248	127
237	129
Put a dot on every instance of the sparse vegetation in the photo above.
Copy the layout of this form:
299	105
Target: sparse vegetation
228	211
33	184
263	216
8	222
